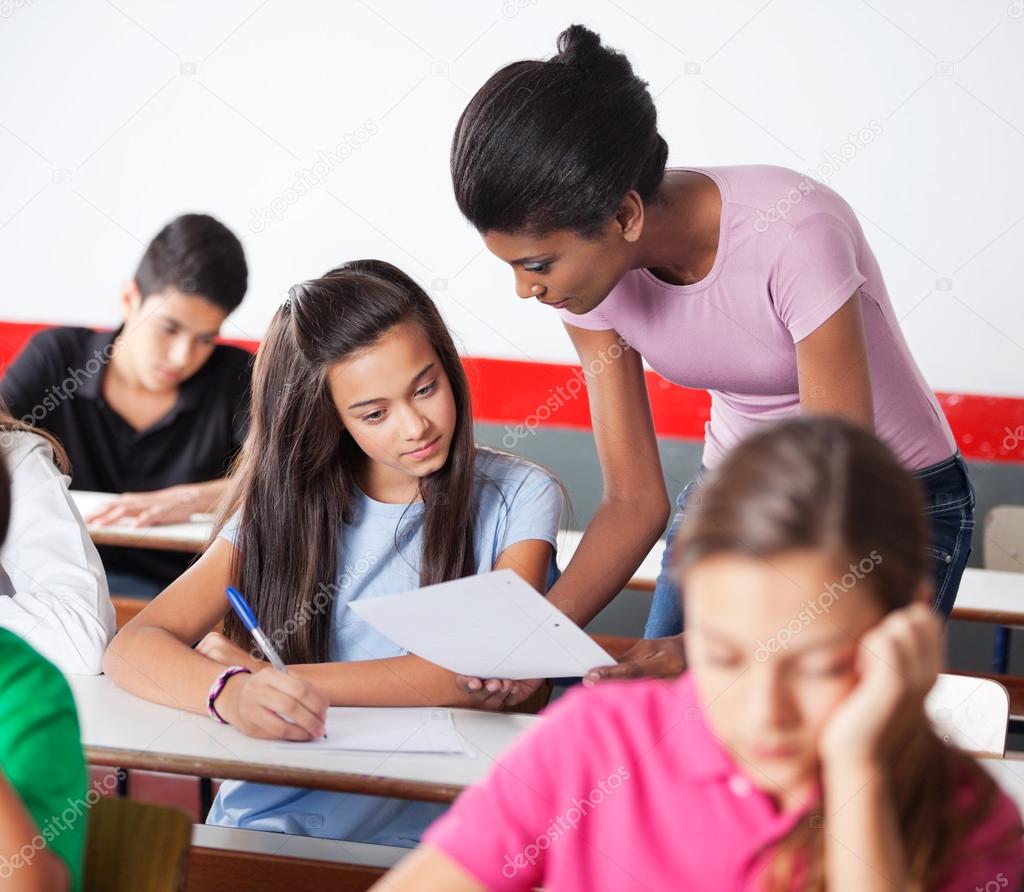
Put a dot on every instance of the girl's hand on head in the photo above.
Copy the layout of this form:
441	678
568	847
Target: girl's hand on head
274	706
648	658
497	693
221	650
897	664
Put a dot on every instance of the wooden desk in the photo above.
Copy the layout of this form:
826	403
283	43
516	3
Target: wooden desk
119	729
645	576
991	596
985	596
188	537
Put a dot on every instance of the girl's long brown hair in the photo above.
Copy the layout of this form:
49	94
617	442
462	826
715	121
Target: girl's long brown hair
825	483
295	478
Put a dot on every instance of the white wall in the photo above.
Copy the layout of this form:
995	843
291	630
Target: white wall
116	116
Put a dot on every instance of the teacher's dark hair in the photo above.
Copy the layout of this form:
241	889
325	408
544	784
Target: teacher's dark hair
557	144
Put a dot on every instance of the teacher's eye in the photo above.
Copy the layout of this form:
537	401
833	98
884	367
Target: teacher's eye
537	267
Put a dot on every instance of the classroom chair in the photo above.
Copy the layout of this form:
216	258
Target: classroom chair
135	847
971	713
1003	549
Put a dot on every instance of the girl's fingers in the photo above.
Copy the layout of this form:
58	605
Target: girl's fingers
301	692
293	712
276	728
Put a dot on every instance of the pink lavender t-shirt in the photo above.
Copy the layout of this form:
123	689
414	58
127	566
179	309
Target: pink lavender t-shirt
790	254
625	787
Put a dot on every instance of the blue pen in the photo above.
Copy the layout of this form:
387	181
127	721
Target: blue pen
249	620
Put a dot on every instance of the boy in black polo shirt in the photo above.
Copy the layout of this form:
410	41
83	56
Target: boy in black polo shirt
157	409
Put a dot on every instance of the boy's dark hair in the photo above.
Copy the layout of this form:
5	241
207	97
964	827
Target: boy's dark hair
557	144
197	255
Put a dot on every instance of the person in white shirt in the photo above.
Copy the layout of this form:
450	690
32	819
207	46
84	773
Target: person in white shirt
53	591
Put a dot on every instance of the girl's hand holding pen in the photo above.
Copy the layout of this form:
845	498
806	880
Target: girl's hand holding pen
274	705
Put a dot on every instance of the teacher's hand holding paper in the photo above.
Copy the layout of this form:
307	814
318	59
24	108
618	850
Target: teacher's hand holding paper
498	693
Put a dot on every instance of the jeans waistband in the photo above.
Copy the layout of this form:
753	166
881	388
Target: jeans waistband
955	459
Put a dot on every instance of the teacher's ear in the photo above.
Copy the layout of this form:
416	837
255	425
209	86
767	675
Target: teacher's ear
629	218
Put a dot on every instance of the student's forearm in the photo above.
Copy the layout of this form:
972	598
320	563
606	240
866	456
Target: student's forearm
151	663
862	847
396	681
616	541
206	497
42	870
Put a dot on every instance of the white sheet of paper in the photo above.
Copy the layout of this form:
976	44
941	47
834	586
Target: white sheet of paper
493	625
388	730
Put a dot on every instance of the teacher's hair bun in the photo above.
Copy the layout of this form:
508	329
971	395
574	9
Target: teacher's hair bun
581	48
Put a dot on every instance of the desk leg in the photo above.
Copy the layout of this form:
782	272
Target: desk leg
122	783
205	798
1001	651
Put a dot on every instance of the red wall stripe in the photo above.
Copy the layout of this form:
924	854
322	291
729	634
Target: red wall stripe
534	394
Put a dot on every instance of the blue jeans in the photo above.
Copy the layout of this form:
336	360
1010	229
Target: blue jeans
949	509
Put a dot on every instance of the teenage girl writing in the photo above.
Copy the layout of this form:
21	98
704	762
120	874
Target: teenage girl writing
360	477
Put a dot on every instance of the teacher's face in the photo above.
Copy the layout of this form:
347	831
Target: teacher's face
562	269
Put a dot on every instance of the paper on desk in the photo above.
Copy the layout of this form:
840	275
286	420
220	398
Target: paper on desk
493	625
387	730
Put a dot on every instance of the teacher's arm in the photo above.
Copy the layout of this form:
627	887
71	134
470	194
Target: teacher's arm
832	367
634	506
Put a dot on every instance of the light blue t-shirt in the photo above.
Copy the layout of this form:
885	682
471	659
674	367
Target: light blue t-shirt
517	501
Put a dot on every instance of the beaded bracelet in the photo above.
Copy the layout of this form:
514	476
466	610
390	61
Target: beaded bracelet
218	686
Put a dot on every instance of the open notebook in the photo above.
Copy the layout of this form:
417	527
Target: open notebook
387	730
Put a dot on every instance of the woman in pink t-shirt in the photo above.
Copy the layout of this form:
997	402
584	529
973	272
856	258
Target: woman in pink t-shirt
795	754
753	282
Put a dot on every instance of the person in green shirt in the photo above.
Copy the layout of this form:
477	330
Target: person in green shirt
43	798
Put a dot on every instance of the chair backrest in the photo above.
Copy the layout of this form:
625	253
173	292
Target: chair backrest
1004	538
126	608
135	847
971	713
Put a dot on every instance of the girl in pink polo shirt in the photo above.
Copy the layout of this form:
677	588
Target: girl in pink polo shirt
795	753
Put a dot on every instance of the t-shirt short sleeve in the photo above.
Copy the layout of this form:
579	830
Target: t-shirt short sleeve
40	753
533	507
231	528
595	320
26	380
816	274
